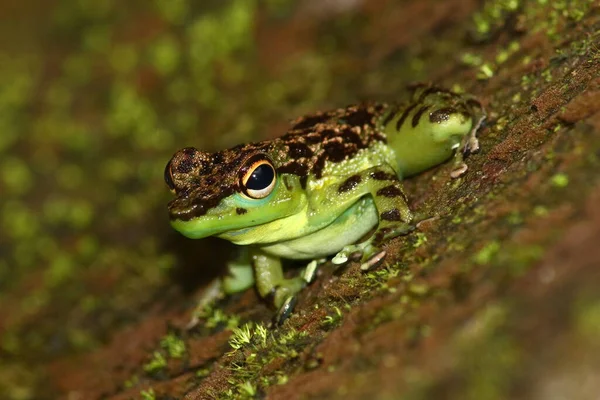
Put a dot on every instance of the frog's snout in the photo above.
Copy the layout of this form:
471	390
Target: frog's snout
185	165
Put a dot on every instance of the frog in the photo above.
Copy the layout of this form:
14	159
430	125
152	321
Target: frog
331	185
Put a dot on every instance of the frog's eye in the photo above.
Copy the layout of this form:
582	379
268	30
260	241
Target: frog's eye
169	177
258	177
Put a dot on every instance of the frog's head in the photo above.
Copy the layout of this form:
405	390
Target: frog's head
230	192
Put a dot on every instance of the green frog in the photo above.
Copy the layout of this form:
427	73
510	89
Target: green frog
330	180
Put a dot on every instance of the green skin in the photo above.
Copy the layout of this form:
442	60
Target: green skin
337	176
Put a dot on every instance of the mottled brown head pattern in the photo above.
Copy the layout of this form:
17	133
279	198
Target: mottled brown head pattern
201	180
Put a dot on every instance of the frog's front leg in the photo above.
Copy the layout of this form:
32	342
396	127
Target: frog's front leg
383	185
240	275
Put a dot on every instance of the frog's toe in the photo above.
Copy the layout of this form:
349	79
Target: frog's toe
459	170
372	261
285	310
310	272
351	252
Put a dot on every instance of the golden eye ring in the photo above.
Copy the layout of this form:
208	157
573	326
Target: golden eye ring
257	177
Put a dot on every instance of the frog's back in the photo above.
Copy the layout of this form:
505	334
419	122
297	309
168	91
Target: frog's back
328	137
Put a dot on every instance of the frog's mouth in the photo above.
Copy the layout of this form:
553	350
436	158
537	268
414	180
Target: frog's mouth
238	232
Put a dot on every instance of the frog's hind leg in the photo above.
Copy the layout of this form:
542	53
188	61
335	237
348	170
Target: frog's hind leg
395	218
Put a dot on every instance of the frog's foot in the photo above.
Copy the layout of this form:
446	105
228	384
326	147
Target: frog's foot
285	295
285	310
368	252
353	251
368	255
470	143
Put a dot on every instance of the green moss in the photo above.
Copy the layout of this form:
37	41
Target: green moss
19	222
165	55
487	357
157	363
254	348
241	336
486	71
515	218
421	240
560	180
124	59
148	394
520	258
209	42
173	345
16	176
540	211
333	319
492	16
215	317
61	268
587	319
174	11
487	253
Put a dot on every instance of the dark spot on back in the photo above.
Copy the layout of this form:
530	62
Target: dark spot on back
293	167
336	150
328	134
383	176
390	116
218	157
417	116
313	138
299	150
241	211
359	117
185	166
390	191
404	116
441	115
432	90
349	184
310	121
391	215
318	167
349	136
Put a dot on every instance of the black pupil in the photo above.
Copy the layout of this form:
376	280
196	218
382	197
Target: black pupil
261	177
